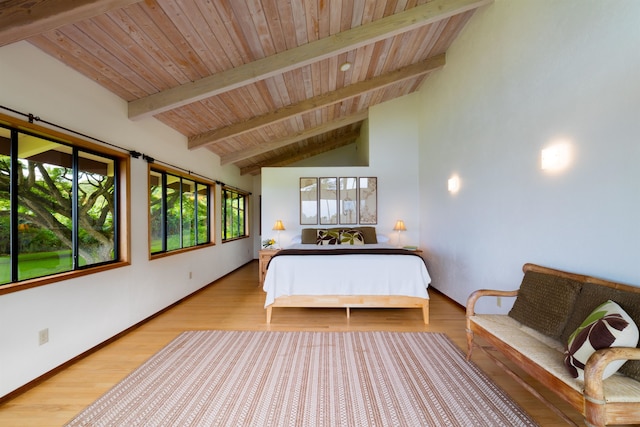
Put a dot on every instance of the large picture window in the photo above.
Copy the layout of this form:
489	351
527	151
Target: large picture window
234	214
179	212
58	206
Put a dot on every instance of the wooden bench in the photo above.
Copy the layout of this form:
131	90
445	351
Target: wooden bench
615	400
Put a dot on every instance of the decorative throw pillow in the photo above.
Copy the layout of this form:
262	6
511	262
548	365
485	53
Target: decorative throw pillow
309	236
544	302
369	234
591	296
607	326
328	237
351	237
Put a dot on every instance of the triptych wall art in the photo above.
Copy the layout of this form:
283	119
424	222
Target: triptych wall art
344	200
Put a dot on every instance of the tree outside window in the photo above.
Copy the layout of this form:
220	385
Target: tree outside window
234	218
179	212
59	213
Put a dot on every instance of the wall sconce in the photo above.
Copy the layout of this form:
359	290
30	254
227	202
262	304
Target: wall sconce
278	226
556	157
399	227
453	184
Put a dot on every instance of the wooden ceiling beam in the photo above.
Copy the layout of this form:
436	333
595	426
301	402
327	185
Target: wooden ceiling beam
272	145
301	154
300	56
21	19
217	135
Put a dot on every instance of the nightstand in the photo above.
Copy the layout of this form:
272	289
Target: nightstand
264	256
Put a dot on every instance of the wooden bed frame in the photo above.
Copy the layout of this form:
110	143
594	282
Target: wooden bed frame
349	301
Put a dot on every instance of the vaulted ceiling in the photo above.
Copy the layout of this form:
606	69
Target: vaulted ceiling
258	82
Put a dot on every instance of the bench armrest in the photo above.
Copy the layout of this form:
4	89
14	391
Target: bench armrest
471	301
593	370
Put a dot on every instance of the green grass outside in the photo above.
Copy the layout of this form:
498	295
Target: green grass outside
36	265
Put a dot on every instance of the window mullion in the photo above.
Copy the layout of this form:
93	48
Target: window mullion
13	202
75	213
224	214
208	213
164	213
116	212
181	216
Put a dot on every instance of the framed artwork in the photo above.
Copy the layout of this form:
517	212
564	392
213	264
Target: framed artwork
308	201
328	201
348	196
368	196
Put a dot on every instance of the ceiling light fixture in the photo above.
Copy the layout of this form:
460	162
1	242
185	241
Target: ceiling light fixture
345	66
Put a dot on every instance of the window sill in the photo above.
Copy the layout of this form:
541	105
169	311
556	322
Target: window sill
179	251
40	281
235	238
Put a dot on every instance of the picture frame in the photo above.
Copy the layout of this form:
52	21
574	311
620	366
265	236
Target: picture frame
348	200
308	201
368	200
328	201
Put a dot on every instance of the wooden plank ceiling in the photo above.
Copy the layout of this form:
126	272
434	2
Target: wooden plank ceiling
258	82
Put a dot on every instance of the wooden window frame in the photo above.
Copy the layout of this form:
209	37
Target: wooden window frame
152	167
122	213
246	211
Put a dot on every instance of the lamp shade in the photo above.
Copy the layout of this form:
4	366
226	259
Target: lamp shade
399	226
278	225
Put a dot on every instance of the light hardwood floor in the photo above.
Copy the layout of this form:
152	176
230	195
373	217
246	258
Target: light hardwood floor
235	302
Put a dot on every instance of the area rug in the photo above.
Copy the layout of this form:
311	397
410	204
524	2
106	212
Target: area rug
235	378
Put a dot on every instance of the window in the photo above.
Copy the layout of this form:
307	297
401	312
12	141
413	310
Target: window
58	204
234	218
179	211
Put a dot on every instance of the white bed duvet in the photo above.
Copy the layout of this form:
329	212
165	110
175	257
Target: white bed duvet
351	274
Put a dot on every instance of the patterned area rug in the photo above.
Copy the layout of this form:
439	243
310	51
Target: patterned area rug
230	378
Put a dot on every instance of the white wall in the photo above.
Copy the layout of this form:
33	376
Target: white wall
355	154
393	159
521	75
343	156
83	312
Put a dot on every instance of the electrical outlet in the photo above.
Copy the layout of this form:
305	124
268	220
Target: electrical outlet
190	275
499	301
43	336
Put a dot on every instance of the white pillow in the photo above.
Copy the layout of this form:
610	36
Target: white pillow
607	326
381	238
296	239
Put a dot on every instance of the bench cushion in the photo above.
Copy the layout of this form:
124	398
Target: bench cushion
544	302
548	354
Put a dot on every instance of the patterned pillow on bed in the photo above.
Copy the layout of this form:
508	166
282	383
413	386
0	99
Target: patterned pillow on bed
351	237
328	237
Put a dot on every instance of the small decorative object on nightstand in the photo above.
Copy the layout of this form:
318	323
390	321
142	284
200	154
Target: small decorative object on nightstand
264	256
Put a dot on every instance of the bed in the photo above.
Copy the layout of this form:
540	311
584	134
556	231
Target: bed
347	276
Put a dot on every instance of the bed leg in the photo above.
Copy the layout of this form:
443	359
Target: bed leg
425	313
269	315
348	312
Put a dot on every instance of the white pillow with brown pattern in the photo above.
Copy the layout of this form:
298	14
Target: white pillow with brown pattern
327	237
351	237
608	325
